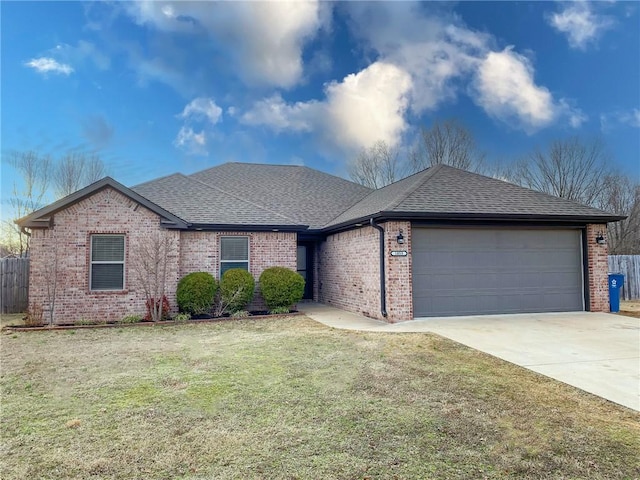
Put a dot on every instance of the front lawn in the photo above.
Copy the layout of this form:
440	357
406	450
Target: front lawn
289	398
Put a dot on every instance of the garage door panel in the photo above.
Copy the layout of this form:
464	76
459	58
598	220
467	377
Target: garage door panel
484	271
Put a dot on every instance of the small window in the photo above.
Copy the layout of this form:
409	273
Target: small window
234	253
107	262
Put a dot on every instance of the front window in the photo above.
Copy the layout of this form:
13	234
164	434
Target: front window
107	262
234	253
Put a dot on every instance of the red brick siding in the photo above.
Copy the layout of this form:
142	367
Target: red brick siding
598	261
69	240
349	272
399	280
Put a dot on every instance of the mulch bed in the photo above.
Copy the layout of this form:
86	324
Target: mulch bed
195	319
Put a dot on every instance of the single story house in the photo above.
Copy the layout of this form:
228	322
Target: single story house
441	242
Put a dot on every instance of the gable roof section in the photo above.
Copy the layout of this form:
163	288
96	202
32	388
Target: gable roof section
42	217
203	205
300	193
443	192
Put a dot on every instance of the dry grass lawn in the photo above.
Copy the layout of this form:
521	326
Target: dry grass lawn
289	398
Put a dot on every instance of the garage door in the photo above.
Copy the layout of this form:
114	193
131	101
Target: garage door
488	271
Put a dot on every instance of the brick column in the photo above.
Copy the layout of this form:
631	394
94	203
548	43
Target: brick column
598	261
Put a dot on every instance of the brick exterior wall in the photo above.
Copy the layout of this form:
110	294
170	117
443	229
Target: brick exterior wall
69	241
349	272
598	261
108	211
399	280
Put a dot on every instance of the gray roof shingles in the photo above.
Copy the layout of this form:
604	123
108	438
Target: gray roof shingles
308	196
199	203
446	190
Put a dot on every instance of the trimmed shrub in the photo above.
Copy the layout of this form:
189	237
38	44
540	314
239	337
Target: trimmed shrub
196	292
236	288
164	311
281	287
131	319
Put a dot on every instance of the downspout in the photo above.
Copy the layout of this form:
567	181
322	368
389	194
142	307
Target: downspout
383	288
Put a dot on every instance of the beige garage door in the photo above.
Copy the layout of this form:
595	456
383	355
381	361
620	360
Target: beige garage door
489	271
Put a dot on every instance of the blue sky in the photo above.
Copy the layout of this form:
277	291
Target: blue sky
161	87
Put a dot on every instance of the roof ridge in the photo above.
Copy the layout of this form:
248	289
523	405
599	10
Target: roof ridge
426	175
213	187
157	179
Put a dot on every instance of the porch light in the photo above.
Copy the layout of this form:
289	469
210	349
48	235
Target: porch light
400	238
600	238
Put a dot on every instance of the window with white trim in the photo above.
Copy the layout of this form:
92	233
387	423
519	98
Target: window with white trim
234	253
107	262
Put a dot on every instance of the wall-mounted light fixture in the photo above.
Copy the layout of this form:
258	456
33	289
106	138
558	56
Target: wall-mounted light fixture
400	238
600	240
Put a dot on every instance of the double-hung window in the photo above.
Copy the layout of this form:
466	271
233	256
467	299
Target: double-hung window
107	262
234	253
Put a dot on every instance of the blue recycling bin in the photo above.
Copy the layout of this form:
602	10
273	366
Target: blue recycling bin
616	281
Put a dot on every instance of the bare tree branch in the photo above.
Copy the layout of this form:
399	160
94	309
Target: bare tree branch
149	265
446	142
377	166
572	168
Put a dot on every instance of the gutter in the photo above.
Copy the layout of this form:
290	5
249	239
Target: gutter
383	288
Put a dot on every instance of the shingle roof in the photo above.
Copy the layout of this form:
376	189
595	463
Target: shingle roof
199	203
442	190
303	194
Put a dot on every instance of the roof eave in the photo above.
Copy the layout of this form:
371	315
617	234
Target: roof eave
474	217
234	227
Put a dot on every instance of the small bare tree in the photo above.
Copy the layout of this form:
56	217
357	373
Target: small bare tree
50	270
75	170
446	142
377	166
35	172
621	196
569	168
150	268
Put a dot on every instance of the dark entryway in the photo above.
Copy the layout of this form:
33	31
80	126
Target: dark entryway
305	267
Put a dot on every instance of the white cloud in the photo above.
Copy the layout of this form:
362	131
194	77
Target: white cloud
368	106
580	23
202	107
200	111
629	118
506	90
49	65
279	116
191	142
362	109
264	39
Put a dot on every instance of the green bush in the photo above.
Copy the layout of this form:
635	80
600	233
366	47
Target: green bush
237	287
131	319
181	317
281	287
196	292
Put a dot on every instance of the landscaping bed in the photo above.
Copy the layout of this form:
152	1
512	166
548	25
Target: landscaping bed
262	314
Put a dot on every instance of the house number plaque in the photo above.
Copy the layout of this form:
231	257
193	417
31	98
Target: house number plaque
398	253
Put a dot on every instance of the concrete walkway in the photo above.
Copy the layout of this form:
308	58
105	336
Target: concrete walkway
596	352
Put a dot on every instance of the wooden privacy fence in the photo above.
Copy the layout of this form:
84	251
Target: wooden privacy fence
629	266
14	284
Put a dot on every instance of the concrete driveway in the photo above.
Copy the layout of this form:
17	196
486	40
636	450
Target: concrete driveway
596	352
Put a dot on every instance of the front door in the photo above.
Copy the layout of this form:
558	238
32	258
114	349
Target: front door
305	268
